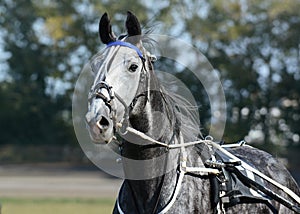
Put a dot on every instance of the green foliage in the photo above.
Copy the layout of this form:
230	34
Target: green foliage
254	45
250	44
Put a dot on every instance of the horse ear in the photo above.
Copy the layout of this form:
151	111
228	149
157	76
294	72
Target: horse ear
105	32
133	25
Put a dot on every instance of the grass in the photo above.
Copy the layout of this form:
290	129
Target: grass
56	206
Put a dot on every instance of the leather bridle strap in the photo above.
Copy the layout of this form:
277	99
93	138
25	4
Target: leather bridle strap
107	95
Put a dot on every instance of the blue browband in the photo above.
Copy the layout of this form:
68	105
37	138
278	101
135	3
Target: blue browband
126	44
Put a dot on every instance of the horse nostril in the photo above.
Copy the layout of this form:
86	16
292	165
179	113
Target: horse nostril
103	123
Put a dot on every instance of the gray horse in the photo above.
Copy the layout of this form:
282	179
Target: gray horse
126	97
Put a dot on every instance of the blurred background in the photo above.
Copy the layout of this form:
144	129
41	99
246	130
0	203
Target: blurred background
253	45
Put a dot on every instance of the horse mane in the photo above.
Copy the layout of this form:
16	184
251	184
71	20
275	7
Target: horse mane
186	114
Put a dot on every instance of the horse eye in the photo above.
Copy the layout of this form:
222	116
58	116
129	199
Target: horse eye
133	67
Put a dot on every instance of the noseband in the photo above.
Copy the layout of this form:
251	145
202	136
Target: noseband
107	95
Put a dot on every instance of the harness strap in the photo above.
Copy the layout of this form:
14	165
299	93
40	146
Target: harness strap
183	159
118	206
265	190
255	171
177	189
183	169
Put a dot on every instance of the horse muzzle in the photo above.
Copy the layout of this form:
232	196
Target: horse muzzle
99	122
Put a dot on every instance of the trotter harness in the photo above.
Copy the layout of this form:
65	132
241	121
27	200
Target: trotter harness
238	184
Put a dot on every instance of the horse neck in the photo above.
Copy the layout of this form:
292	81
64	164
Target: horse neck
154	116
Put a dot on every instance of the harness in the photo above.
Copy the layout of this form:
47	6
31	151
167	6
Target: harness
238	185
233	180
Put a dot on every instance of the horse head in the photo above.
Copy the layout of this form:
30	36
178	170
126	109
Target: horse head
118	72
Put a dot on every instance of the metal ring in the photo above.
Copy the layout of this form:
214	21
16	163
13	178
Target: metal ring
209	138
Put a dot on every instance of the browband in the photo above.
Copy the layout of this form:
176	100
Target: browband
126	44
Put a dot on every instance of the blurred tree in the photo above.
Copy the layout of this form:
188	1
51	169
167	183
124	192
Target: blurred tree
254	45
30	115
251	44
47	44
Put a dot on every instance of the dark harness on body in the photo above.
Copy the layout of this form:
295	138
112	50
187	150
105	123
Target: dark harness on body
237	185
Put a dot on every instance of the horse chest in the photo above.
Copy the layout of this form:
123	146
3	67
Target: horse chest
194	197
